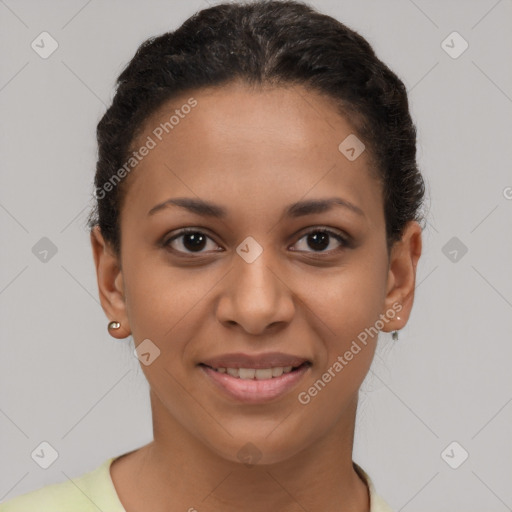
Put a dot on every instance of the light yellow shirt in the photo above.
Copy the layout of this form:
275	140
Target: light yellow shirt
94	491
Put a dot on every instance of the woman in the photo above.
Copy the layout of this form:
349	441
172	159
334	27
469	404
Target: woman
257	226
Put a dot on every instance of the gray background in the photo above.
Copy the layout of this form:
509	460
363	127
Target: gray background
64	380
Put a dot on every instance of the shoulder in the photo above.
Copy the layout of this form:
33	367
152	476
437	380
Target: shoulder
90	492
51	498
377	503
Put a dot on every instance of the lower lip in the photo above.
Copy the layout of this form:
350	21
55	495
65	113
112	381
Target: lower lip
255	391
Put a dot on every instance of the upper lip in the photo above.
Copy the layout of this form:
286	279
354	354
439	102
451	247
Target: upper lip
266	360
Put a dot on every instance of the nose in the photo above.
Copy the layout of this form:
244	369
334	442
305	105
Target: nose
255	296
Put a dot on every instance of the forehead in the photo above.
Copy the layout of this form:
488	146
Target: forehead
256	145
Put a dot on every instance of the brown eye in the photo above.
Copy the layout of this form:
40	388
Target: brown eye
320	239
194	241
188	241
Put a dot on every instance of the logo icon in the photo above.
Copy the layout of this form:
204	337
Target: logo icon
44	45
249	249
44	250
454	455
44	455
249	454
454	249
351	147
454	45
146	352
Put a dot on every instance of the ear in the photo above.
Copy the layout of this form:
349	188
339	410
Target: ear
404	257
110	283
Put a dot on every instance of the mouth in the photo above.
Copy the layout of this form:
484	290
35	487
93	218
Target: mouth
257	373
255	379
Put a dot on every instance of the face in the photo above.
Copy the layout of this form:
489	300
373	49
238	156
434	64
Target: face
266	277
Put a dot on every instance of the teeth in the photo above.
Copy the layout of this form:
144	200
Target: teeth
263	373
246	373
258	374
234	372
277	372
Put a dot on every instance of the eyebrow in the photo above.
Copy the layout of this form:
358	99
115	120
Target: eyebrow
298	209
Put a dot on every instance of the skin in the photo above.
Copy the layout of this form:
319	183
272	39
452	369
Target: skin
254	152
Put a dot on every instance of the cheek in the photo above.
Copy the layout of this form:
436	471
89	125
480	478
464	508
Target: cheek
154	295
349	306
161	302
350	299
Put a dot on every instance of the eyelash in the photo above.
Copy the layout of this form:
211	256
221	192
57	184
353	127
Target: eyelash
344	241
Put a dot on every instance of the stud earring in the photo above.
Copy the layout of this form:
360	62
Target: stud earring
394	334
113	325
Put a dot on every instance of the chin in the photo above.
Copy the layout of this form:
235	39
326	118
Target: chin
258	450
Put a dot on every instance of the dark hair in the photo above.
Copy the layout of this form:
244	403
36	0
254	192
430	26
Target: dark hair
265	42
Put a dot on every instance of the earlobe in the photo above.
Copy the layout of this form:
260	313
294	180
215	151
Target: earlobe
402	276
110	283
